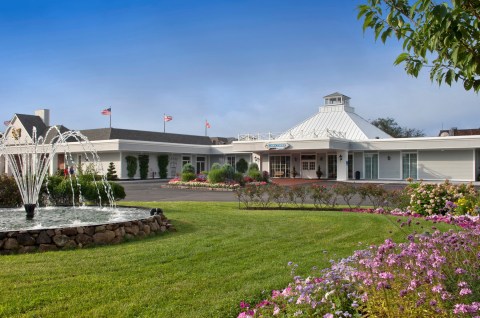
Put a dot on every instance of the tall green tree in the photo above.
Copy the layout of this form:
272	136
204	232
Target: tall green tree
444	37
391	127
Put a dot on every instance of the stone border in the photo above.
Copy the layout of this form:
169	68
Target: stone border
28	241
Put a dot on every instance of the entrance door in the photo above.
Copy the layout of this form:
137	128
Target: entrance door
332	166
280	166
309	166
371	166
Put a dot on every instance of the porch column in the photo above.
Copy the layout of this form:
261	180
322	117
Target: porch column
342	165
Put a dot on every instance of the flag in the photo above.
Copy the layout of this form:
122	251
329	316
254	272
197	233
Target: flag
207	124
107	111
167	118
7	122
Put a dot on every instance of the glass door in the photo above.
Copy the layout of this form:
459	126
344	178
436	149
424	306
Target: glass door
332	166
280	166
371	166
409	165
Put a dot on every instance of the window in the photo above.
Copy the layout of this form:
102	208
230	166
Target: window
231	161
280	166
371	166
200	164
185	160
332	166
409	165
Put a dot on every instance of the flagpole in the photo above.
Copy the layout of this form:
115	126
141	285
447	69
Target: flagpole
164	122
110	117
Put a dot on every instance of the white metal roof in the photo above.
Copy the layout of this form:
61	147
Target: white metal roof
339	121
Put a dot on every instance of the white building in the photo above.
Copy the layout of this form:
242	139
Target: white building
334	140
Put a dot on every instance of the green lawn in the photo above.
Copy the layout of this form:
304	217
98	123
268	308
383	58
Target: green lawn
219	256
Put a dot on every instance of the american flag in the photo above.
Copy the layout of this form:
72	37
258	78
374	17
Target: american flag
7	122
167	118
107	111
207	124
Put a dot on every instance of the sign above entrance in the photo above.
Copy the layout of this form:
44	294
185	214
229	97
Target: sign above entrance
273	146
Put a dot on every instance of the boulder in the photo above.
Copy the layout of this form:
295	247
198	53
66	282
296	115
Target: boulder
61	240
11	244
43	238
70	231
83	239
25	239
100	229
27	249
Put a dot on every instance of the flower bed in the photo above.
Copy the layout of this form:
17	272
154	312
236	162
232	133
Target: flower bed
202	184
434	275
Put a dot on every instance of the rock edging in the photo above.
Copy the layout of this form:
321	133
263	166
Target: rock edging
28	241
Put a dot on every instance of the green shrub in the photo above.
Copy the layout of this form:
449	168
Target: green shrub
143	163
255	175
188	167
253	167
228	171
111	172
216	166
374	193
242	165
188	176
238	178
131	166
345	190
9	194
216	176
162	162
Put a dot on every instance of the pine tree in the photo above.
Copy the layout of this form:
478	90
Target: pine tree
111	172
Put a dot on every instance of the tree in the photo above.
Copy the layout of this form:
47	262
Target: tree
111	172
447	32
391	127
131	166
242	165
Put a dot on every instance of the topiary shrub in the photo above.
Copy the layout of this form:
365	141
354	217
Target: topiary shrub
253	167
111	172
242	165
143	163
131	166
255	175
162	162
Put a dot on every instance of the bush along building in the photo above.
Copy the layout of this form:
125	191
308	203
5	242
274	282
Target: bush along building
334	143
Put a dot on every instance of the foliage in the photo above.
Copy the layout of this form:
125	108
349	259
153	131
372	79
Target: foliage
228	171
322	196
143	163
345	190
9	193
79	190
188	176
391	127
131	166
216	175
255	175
374	193
428	199
188	167
448	32
216	166
253	167
111	172
241	165
162	162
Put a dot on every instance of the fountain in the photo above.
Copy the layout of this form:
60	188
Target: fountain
50	228
30	160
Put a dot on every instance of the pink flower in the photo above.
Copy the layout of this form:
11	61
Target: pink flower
465	291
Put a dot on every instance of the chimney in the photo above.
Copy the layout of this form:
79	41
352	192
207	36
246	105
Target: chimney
452	131
44	114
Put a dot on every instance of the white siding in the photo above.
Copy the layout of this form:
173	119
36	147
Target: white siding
448	164
358	164
389	169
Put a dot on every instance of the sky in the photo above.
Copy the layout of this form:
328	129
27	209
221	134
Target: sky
249	66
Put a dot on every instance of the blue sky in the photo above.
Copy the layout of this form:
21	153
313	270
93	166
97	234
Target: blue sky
246	66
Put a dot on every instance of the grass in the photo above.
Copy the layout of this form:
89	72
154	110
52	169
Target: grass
219	256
